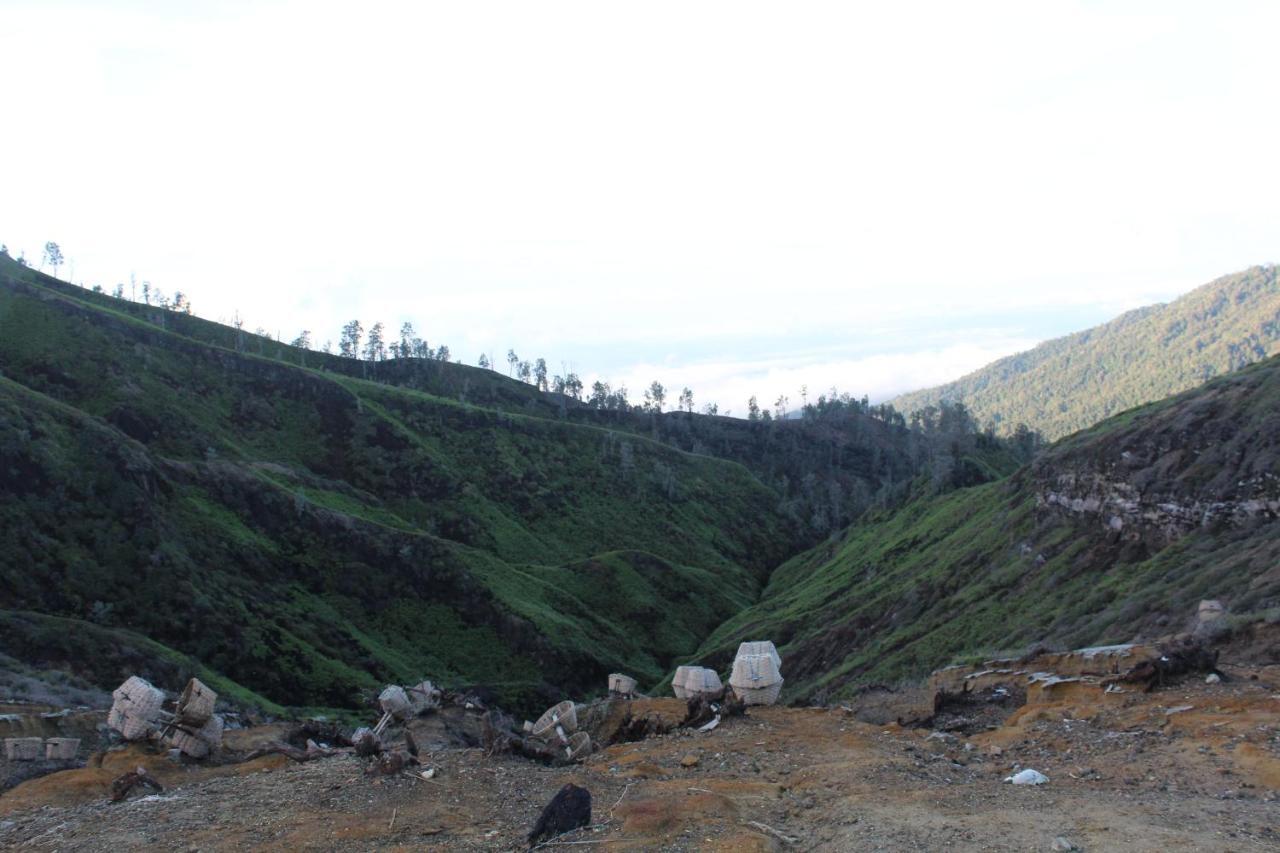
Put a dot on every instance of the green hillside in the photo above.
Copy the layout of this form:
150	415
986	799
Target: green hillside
1114	532
1073	382
310	534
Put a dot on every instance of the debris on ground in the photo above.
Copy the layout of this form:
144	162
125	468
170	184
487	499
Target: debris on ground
1028	777
124	785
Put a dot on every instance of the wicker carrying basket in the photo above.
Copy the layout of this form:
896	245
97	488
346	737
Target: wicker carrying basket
23	748
579	746
135	708
200	742
395	701
692	681
563	714
756	678
61	748
423	697
195	705
754	648
622	684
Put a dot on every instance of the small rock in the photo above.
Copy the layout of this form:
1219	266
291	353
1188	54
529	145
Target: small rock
689	760
1212	678
1062	845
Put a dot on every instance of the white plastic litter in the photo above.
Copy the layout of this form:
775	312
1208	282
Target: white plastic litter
1028	777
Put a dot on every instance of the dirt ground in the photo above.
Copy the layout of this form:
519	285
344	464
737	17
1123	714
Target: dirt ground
1194	766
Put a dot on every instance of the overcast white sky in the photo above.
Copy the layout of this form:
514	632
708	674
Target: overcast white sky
739	197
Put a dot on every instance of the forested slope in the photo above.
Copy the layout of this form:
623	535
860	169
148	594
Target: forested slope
1075	381
1115	532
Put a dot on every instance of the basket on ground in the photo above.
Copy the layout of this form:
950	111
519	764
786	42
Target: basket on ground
135	708
23	748
423	697
195	704
757	678
197	743
624	685
579	746
61	748
395	701
563	714
692	681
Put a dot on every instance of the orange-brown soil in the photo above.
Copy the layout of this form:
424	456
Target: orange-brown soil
1194	766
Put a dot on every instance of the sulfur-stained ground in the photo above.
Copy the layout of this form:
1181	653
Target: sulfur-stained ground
1190	767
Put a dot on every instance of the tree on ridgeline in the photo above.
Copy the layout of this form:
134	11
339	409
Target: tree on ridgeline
618	400
753	409
52	257
375	348
524	371
573	386
655	397
406	339
118	293
512	361
349	341
484	361
540	374
303	340
710	408
181	303
686	400
600	393
442	353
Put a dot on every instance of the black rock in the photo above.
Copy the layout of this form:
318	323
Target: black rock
568	810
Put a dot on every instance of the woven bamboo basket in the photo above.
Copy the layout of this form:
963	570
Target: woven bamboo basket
761	647
23	748
137	697
395	701
692	681
135	708
198	743
756	678
423	697
61	748
677	681
579	746
624	685
563	714
195	705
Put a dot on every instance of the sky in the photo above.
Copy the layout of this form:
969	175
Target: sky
738	197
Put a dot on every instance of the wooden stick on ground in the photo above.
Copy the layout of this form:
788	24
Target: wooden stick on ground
769	830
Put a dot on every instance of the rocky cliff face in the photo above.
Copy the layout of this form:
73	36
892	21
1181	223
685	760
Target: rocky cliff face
1202	461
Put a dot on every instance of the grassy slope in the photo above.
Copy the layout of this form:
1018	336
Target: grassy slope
982	569
1072	382
312	534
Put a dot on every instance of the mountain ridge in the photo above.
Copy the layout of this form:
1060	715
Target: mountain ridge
1071	382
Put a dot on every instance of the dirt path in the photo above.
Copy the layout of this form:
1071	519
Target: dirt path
1137	775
